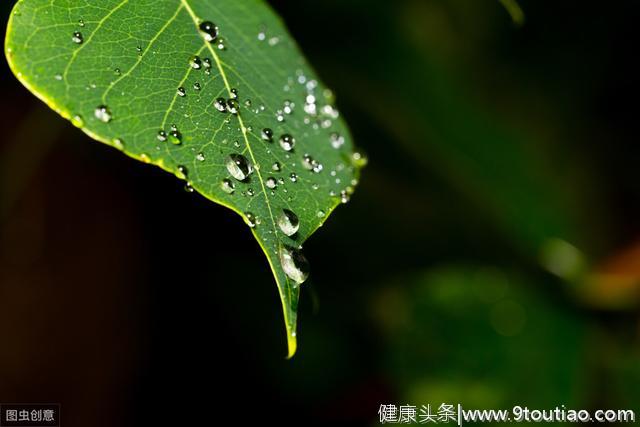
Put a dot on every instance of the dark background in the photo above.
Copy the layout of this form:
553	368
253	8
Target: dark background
490	257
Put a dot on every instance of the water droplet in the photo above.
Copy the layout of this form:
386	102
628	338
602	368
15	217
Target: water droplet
58	77
162	136
195	62
344	197
221	44
200	157
118	143
188	188
250	219
337	140
117	71
294	264
175	137
139	50
276	167
359	160
271	183
262	36
232	106
209	30
238	166
77	37
288	222
234	93
181	91
267	134
77	121
220	104
81	22
309	163
287	142
227	186
288	107
293	177
182	172
103	113
196	86
320	214
250	192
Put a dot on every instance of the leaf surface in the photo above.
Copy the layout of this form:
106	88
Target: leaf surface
150	78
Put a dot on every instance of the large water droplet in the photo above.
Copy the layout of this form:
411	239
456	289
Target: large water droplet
294	264
103	113
288	222
287	142
238	166
209	30
77	37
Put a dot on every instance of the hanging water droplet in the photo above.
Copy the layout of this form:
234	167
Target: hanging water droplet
288	222
232	106
293	177
276	167
209	30
77	37
344	197
267	134
287	142
103	113
162	136
77	121
175	137
271	183
337	140
227	186
294	264
250	219
195	62
188	188
182	92
200	157
182	172
221	105
238	166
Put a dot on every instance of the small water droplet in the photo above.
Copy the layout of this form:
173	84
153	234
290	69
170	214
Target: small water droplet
288	222
81	22
287	142
195	62
188	188
359	160
182	172
162	136
77	37
118	143
276	167
293	177
344	197
182	92
209	30
77	121
103	113
294	264
200	157
250	219
320	214
234	93
221	44
227	186
337	140
232	106
238	166
267	134
221	105
175	137
271	183
196	86
117	71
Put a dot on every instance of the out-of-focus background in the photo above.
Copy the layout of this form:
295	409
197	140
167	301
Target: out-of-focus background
490	257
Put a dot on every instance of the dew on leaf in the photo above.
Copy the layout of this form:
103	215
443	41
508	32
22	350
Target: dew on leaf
293	177
294	264
175	137
267	134
271	183
162	136
220	104
251	219
287	142
103	113
227	186
209	30
182	172
182	92
232	106
200	157
337	140
195	62
238	166
276	167
288	222
118	143
77	37
77	121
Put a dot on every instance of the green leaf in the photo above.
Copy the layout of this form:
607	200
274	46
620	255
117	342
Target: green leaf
118	69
